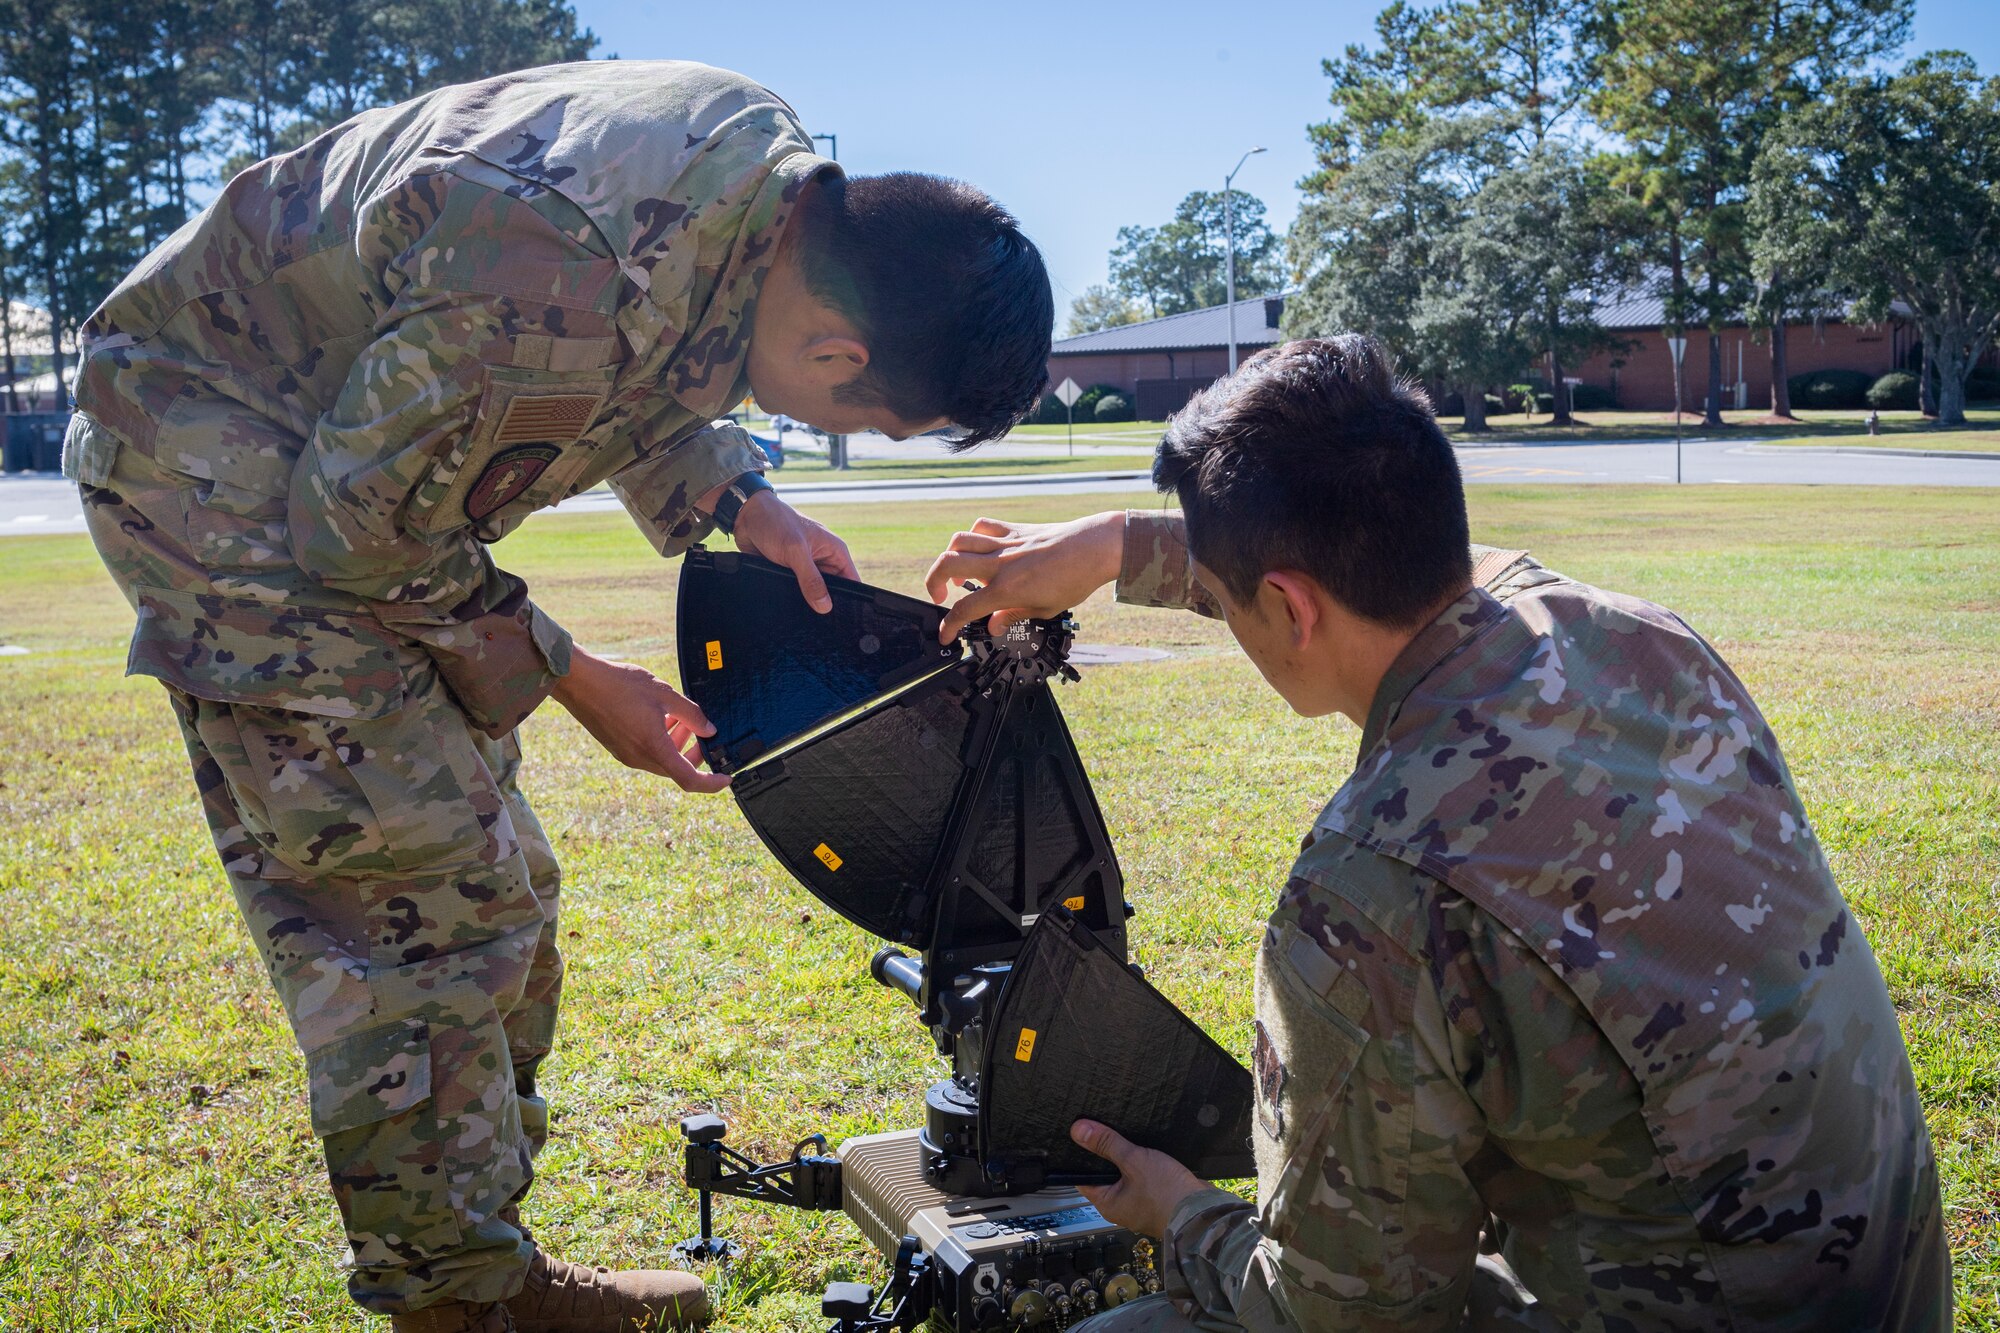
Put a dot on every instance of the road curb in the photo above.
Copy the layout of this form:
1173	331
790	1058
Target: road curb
1771	449
807	488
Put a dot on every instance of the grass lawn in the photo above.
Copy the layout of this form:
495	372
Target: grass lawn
159	1173
809	467
1899	430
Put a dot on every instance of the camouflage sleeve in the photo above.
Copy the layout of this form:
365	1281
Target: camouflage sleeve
1153	570
378	499
660	487
1366	1219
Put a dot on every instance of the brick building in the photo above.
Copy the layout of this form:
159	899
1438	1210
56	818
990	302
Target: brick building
1160	363
1640	372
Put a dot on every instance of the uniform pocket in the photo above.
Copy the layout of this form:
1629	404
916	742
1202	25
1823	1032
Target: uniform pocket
519	454
369	1076
375	1110
1306	1047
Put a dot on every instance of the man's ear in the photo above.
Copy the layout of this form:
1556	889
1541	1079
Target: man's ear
831	359
1297	598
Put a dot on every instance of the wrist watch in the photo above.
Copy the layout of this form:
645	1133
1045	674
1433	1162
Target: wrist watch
734	496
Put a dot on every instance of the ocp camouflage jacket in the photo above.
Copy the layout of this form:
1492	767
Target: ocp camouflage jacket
1564	952
305	415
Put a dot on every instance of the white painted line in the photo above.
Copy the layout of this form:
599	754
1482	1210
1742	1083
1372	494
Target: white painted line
1725	481
31	518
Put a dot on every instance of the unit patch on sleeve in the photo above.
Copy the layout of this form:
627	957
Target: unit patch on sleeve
507	476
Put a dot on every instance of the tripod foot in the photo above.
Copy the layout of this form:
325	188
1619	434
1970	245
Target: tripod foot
704	1249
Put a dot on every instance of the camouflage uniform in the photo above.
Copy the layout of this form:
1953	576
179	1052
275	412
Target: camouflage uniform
302	420
1562	963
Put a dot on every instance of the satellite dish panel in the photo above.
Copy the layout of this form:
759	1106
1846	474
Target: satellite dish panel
1079	1035
766	668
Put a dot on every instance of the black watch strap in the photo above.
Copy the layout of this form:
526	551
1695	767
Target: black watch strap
735	495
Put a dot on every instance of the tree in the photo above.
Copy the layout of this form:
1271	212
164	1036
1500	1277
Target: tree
1692	88
105	106
1891	187
1520	69
1390	247
1099	307
1181	266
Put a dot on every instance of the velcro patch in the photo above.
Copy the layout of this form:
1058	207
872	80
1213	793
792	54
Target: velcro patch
552	418
507	477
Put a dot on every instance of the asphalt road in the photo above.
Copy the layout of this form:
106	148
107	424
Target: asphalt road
41	503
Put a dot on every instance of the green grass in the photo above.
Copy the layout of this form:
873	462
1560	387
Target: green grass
807	467
159	1173
1899	430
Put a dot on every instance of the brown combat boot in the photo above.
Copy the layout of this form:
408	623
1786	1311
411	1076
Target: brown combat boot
455	1317
562	1297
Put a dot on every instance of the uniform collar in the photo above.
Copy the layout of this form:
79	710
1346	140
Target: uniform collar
706	377
1437	642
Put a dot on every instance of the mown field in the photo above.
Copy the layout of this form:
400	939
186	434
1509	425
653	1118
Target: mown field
156	1170
1898	430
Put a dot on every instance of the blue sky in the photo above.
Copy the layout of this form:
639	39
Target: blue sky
1080	117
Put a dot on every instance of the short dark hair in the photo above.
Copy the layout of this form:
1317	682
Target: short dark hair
952	299
1316	456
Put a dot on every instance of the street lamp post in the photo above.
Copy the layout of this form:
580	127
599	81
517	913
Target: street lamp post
1229	242
836	445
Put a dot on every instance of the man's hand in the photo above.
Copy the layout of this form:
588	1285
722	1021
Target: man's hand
1026	569
773	529
644	722
1151	1185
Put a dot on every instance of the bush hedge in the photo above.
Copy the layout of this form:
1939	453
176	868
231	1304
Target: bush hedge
1894	392
1113	407
1830	389
1983	386
1592	398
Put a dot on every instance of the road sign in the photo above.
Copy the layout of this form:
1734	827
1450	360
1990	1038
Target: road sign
1679	345
1067	393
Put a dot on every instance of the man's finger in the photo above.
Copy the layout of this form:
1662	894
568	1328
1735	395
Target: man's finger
1103	1140
981	543
834	557
675	704
965	610
682	773
956	567
810	582
992	527
997	623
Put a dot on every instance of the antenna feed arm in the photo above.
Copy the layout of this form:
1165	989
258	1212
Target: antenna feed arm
899	972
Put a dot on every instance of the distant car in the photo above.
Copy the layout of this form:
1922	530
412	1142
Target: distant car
773	445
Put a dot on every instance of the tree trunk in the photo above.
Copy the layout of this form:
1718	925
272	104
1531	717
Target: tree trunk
1951	368
1781	389
1559	391
1475	410
1712	410
1926	393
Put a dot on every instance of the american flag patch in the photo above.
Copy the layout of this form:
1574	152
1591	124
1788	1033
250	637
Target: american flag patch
546	418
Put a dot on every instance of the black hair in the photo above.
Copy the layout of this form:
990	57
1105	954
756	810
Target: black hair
1315	456
952	300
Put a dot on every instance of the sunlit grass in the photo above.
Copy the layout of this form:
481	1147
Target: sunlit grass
158	1170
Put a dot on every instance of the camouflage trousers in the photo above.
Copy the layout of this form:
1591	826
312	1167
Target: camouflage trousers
404	898
1497	1303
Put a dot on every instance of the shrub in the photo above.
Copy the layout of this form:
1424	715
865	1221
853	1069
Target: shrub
1895	391
1830	389
1113	407
1051	412
1592	398
1983	386
1087	404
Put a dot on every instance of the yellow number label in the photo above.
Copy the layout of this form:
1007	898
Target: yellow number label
825	854
715	654
1024	1049
1074	904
